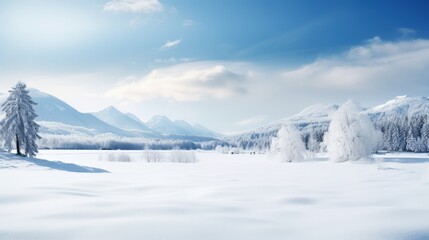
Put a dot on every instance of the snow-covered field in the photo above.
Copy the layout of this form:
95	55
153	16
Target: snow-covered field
88	196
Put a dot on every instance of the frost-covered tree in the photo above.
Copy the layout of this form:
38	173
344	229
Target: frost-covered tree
425	134
313	146
395	138
289	144
18	125
351	135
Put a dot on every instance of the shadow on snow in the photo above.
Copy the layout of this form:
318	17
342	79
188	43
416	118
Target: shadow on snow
407	160
57	165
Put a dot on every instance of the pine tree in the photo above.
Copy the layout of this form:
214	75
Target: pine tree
411	141
396	135
18	124
425	134
403	134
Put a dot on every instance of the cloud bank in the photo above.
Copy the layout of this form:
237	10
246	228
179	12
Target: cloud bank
185	82
374	64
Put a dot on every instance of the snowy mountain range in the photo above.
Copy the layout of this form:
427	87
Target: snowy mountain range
58	118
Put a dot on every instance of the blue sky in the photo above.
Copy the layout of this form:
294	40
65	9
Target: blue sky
229	65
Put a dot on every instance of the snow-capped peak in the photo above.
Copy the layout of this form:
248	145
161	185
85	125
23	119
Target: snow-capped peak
314	112
111	109
162	124
159	119
402	105
114	117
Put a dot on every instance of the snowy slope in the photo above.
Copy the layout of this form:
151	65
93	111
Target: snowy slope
203	131
163	124
314	113
114	117
52	109
132	116
400	106
185	127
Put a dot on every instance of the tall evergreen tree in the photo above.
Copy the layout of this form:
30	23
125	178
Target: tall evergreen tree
18	125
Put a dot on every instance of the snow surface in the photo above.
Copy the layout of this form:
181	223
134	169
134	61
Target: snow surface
220	197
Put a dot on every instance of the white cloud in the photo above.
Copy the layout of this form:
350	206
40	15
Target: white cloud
251	121
406	32
188	23
184	82
134	22
173	60
171	44
376	63
133	6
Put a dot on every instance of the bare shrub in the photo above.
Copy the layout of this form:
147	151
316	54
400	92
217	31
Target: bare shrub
123	157
118	157
177	156
152	156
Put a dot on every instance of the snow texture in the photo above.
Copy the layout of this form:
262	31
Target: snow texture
223	196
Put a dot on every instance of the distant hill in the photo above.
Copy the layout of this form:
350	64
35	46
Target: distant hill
164	125
399	107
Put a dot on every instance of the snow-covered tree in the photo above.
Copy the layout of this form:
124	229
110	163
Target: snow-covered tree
351	135
425	134
18	125
313	147
395	141
289	144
